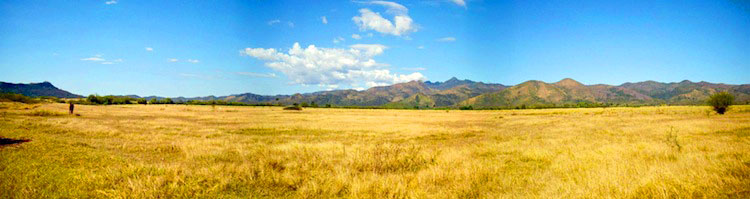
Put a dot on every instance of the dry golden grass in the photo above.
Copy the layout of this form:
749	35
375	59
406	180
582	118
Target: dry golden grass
138	151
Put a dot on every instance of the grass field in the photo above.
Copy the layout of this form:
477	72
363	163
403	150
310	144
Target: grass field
139	151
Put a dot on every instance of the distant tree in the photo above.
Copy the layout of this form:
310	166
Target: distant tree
466	108
720	101
153	101
142	101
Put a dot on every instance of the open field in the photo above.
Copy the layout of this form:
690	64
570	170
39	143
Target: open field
139	151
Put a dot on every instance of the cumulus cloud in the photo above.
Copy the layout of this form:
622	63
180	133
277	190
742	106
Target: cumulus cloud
149	49
331	66
401	25
447	39
324	19
356	36
111	2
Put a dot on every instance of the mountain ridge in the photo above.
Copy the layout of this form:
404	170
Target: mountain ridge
455	92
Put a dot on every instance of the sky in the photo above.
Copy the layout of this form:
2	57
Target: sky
201	48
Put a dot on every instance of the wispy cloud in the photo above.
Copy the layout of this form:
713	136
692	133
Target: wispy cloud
149	49
324	19
193	61
420	47
338	39
95	59
461	3
173	60
252	74
111	2
189	75
414	69
447	39
356	36
98	58
275	21
290	24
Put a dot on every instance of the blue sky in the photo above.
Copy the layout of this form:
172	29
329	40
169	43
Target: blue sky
199	48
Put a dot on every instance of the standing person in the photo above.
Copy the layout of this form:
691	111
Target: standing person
71	107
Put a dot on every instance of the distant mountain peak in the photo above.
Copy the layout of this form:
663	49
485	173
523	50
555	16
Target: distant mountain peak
685	82
45	84
36	89
568	82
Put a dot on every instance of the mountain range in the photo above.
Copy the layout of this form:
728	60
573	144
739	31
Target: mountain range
455	93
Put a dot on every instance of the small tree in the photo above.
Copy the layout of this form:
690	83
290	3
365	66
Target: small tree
721	101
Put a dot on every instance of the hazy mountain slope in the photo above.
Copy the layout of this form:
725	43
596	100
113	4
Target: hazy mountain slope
36	90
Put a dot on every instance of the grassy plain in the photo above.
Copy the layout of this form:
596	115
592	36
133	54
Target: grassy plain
150	151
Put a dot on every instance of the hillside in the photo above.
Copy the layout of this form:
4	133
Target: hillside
36	90
569	92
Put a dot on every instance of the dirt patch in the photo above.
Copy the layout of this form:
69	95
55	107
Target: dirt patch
8	141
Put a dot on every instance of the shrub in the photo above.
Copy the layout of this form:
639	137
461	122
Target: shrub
17	98
294	108
721	101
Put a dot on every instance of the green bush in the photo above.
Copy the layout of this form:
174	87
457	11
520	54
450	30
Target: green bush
720	101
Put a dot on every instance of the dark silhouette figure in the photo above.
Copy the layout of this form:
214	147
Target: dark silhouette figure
71	108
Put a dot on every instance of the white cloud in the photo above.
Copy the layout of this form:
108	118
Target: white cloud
252	74
356	36
111	2
414	69
402	24
447	39
275	21
193	61
338	39
149	49
290	24
324	19
461	3
420	47
95	59
106	62
118	60
173	60
331	66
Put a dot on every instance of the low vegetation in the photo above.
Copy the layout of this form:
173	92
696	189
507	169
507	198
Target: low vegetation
134	151
721	101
